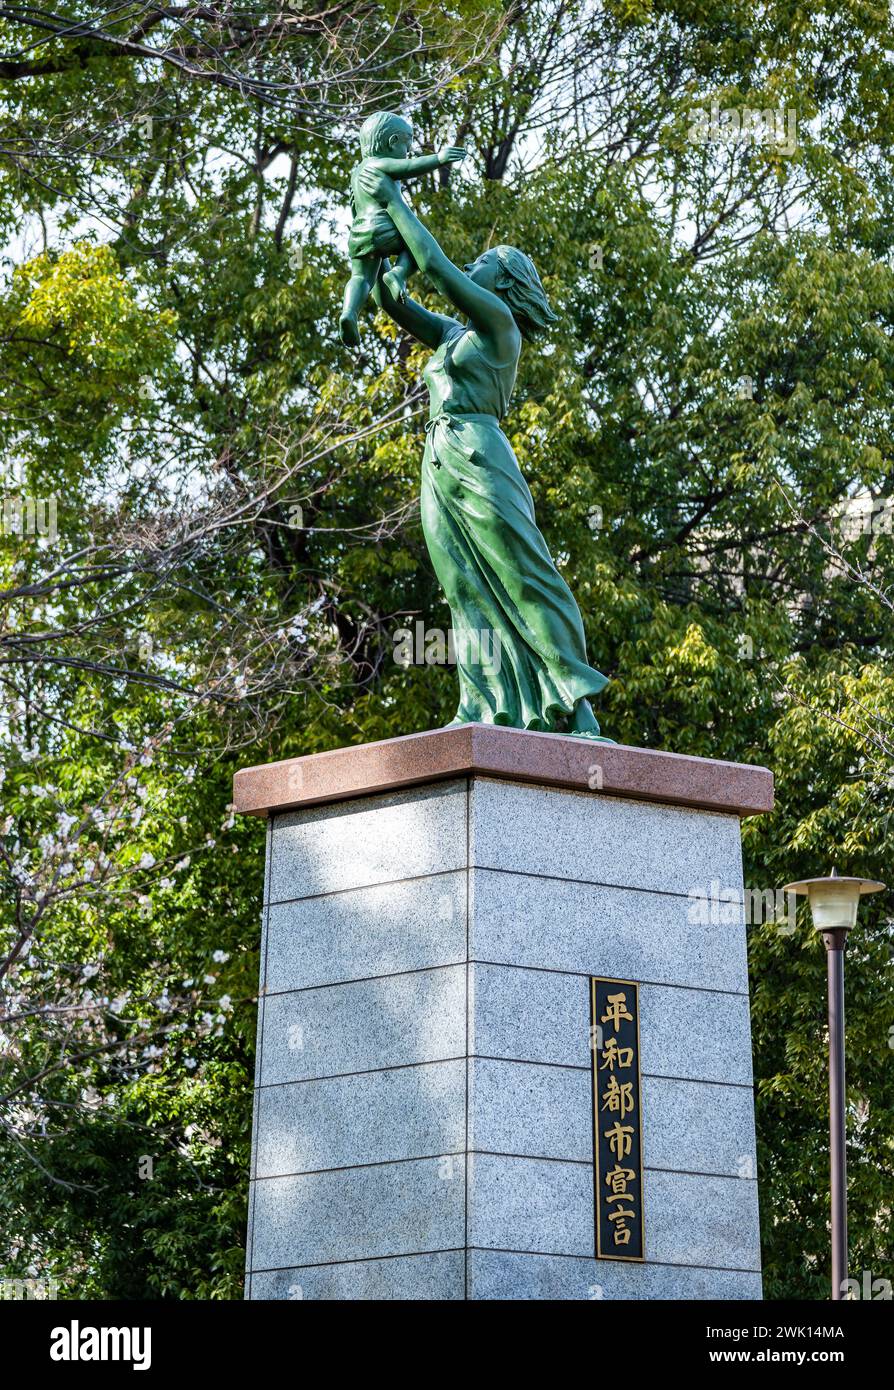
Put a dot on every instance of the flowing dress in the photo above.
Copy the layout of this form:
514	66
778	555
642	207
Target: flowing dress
517	632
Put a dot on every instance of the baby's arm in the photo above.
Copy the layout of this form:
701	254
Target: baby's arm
422	164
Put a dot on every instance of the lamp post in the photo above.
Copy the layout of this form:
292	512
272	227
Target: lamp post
833	906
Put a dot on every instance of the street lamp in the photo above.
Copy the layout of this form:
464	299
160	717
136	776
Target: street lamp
833	906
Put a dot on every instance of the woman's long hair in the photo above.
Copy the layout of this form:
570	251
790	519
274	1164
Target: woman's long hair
519	284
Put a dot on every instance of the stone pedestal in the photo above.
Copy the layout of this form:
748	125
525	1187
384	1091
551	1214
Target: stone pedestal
434	909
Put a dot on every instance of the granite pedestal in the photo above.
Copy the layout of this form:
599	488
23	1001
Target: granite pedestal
434	909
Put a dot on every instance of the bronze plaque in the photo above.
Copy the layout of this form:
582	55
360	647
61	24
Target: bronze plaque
617	1119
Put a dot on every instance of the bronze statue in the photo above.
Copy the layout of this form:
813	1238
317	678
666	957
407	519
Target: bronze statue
385	141
477	511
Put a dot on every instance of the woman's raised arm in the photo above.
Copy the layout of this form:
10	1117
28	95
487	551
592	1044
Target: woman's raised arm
426	327
491	318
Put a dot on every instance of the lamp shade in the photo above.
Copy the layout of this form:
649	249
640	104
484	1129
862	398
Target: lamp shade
833	900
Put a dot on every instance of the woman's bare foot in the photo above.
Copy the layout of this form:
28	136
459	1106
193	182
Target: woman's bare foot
584	723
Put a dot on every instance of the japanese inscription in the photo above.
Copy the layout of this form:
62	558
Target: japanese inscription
617	1121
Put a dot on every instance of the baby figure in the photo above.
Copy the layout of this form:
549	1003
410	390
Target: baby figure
385	141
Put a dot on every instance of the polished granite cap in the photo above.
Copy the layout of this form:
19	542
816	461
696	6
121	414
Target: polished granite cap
488	750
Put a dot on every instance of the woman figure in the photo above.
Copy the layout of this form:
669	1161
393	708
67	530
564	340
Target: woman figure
499	579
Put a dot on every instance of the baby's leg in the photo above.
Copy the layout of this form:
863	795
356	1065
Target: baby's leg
364	270
396	278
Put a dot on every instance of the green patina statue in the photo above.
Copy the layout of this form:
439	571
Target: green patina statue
477	511
385	141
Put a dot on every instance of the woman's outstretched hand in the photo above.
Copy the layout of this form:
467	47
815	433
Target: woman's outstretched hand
379	186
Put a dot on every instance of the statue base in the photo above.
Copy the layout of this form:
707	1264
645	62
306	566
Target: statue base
435	910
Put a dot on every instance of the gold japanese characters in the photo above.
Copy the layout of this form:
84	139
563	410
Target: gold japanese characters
617	1131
